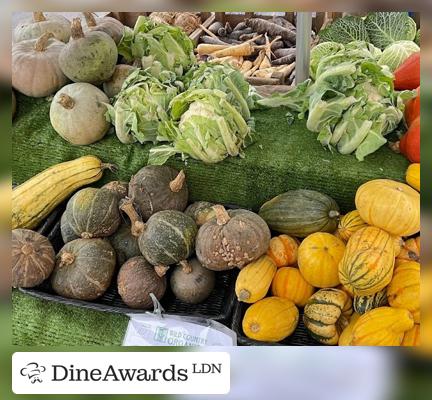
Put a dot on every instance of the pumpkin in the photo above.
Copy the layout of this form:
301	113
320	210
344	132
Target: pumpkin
119	188
289	283
383	326
39	24
125	244
192	284
412	337
412	176
389	205
404	289
318	259
89	57
111	26
33	258
367	265
112	86
349	224
156	188
84	269
412	108
35	68
67	233
92	213
283	250
201	212
407	75
234	238
254	280
346	335
410	251
270	320
35	199
136	280
363	304
327	314
77	113
300	213
409	144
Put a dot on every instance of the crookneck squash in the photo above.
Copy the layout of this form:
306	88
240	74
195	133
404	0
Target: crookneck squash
283	250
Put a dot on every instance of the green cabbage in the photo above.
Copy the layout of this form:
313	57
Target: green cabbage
417	38
395	54
345	30
322	50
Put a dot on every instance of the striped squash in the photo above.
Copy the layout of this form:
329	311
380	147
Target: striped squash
412	337
301	212
36	198
327	314
254	280
367	265
290	284
283	250
363	304
349	224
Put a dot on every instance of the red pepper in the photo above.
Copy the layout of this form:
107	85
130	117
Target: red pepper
412	108
409	145
407	76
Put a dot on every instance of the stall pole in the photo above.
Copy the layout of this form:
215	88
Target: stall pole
304	29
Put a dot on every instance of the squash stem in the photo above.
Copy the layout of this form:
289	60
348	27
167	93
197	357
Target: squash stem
186	267
111	167
66	259
137	225
254	327
90	19
38	16
244	295
177	183
42	42
66	101
76	29
333	214
161	270
222	216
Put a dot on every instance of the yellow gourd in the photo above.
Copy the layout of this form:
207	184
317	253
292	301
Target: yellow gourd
290	284
410	251
383	326
404	289
254	280
367	265
283	250
318	259
349	224
36	198
389	205
345	337
413	176
412	337
271	319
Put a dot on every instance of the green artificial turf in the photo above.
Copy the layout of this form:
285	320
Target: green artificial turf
283	157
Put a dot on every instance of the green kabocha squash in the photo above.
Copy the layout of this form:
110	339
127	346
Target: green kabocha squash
192	283
201	212
156	188
119	188
234	238
84	269
111	26
89	57
136	280
33	258
92	213
67	233
363	304
125	244
301	212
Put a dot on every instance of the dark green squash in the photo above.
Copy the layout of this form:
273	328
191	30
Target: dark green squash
33	258
363	304
156	188
92	213
84	269
124	243
119	188
67	232
232	239
192	283
301	213
136	280
201	212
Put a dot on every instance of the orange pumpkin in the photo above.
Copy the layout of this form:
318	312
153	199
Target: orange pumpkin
283	250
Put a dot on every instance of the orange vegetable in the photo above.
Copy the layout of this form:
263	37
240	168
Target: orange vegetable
409	145
412	108
407	76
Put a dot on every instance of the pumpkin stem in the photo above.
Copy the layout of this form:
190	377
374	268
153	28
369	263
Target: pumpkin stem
76	29
66	259
333	214
87	235
177	183
254	327
137	225
244	295
38	16
186	267
41	43
111	167
27	249
222	216
161	270
66	101
90	19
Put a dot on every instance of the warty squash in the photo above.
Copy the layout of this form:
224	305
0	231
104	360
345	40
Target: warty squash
254	280
327	314
290	284
345	337
36	198
412	337
318	259
367	265
283	250
389	205
383	326
404	289
410	251
412	176
350	223
271	319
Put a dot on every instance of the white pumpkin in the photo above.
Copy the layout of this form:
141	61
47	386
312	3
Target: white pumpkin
111	26
35	67
36	26
77	113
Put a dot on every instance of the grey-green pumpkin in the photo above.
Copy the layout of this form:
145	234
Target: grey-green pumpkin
301	212
363	304
67	233
124	243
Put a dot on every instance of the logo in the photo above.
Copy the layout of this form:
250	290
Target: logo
33	371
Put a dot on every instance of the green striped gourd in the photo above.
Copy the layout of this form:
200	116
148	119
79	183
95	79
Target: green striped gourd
363	304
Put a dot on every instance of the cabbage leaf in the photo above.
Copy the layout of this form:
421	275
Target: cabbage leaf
395	54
